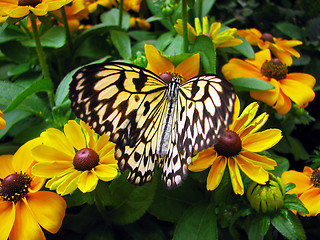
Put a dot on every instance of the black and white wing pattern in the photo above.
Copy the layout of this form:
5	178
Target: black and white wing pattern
131	105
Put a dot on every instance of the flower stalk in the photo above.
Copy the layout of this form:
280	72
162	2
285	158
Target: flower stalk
67	29
41	57
185	25
120	13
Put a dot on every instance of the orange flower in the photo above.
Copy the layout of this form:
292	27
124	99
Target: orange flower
139	23
307	188
162	66
281	48
2	121
21	8
295	86
23	208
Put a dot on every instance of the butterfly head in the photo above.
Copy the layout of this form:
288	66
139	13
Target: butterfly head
170	77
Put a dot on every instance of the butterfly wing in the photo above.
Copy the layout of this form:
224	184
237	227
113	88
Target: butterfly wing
127	103
204	110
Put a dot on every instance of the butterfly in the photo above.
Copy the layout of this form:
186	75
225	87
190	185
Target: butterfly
152	122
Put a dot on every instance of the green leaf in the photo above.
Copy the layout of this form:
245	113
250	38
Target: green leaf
297	225
170	205
164	40
175	47
19	69
290	186
205	47
122	42
206	7
129	202
111	18
61	113
250	84
198	222
38	86
259	227
11	33
291	30
282	164
283	224
12	118
32	104
55	37
294	203
142	35
244	48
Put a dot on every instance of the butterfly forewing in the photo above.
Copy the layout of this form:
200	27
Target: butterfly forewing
204	110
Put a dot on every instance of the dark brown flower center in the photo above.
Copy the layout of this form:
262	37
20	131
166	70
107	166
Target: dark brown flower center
274	69
167	77
315	178
228	144
31	3
85	159
267	37
14	187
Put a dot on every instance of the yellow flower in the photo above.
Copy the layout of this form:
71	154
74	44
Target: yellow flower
219	39
21	8
69	169
92	4
166	70
238	148
23	208
281	48
307	188
139	23
295	86
2	121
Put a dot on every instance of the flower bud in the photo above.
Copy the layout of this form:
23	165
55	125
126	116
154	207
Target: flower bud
267	198
140	60
167	9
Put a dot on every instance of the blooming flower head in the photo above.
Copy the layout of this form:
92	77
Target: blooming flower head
307	188
77	158
295	86
93	4
220	39
281	48
2	121
23	208
166	70
21	8
139	23
238	148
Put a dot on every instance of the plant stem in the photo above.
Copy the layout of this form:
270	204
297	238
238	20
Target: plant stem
185	26
200	9
66	26
120	13
41	57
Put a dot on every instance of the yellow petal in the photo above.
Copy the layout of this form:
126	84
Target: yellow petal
301	180
44	153
235	177
87	181
23	159
254	126
216	172
69	183
197	26
56	139
311	200
283	104
269	97
237	68
261	141
297	91
205	25
50	169
2	121
260	57
304	78
25	225
246	117
235	114
17	12
7	216
214	29
254	172
6	167
190	67
48	208
106	172
75	135
204	160
259	160
156	62
90	136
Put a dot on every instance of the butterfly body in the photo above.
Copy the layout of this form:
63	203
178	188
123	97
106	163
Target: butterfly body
151	121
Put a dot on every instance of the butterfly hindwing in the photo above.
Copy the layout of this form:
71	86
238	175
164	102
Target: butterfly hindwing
204	110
